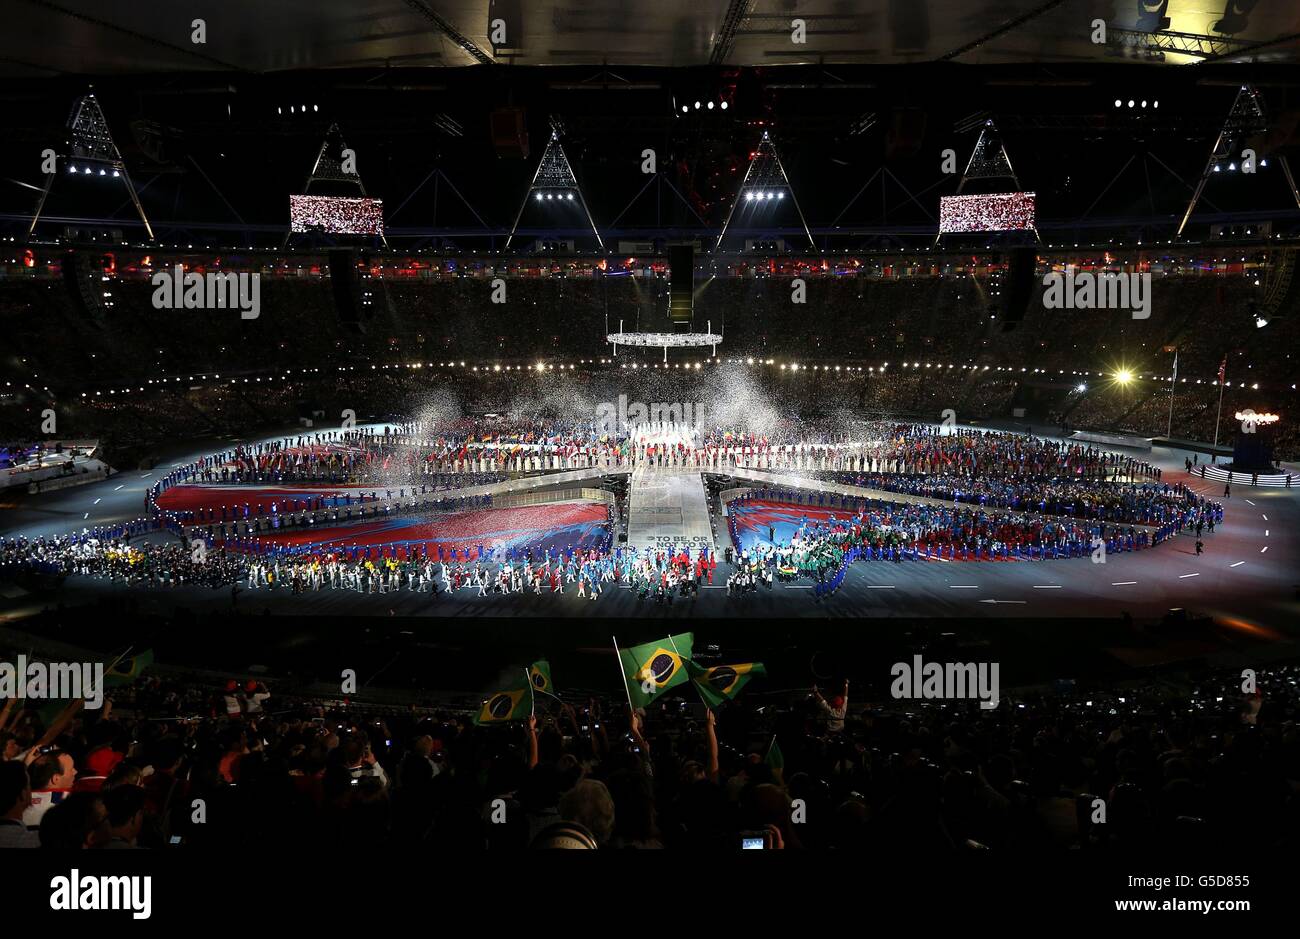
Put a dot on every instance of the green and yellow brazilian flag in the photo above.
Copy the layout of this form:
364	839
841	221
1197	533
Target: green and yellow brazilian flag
721	683
653	668
511	704
117	673
539	673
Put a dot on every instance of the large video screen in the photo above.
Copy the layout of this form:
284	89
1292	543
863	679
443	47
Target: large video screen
338	215
998	211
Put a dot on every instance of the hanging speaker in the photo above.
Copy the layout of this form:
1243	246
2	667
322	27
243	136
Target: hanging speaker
343	282
681	283
509	133
1020	286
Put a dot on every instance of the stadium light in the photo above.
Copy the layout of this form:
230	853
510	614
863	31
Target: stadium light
1123	376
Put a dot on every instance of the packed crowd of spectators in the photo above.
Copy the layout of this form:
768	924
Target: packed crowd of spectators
1183	761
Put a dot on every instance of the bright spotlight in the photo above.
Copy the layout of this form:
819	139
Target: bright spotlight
1123	376
697	105
780	195
723	105
1130	102
1232	167
569	197
72	169
749	197
1080	387
1144	104
686	109
710	105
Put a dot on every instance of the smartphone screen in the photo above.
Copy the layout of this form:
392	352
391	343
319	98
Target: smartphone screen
747	843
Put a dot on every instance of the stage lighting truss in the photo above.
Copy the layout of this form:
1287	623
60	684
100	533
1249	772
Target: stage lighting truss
666	341
91	152
554	182
328	168
1246	120
765	185
989	160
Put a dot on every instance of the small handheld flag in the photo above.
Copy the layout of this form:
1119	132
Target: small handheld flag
721	683
539	675
512	704
654	667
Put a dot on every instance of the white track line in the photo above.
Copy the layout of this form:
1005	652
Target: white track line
963	587
1264	517
1237	564
1123	583
1248	502
119	487
1263	549
1185	576
1047	586
880	586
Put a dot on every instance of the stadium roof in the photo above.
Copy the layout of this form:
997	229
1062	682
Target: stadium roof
44	37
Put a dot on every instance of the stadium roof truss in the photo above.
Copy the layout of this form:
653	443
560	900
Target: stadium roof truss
91	144
554	173
765	173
